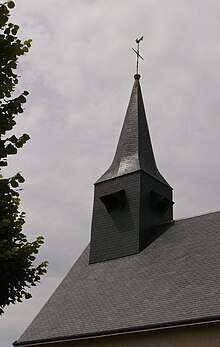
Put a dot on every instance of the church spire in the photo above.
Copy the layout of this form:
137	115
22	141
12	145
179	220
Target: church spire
134	151
132	200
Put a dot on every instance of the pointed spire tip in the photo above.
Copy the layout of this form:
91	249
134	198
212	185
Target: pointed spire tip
137	76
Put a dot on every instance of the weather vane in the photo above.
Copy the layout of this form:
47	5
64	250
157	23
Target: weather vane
137	52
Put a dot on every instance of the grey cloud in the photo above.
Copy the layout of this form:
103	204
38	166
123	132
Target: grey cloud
80	73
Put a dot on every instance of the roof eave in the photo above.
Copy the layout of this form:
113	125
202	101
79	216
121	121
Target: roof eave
133	330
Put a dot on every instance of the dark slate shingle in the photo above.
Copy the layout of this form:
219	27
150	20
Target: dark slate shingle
134	151
174	280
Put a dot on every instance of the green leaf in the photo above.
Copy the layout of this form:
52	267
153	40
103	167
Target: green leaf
25	137
28	42
4	10
14	31
7	31
3	20
14	184
10	38
13	139
10	149
22	99
20	179
27	295
11	4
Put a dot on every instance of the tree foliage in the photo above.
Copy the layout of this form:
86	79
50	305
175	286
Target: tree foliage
18	271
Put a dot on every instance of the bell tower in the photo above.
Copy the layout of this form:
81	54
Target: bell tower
132	199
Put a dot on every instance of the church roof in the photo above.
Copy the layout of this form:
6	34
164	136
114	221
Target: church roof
134	151
173	281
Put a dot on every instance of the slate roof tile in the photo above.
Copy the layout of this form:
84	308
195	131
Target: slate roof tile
173	280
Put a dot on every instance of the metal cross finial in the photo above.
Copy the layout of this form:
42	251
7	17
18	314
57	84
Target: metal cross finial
137	52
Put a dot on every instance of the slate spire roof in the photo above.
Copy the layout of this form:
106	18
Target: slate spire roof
134	151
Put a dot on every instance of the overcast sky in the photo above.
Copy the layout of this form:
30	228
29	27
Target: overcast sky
80	74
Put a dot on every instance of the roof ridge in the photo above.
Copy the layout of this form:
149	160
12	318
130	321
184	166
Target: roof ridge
199	215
